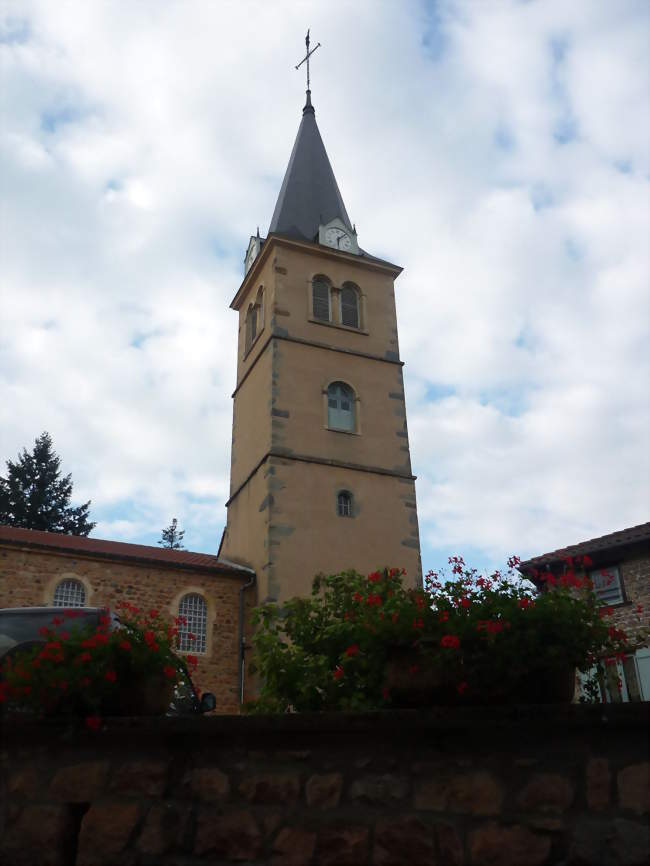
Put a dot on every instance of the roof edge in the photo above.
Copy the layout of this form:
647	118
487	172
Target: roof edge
312	248
630	537
81	550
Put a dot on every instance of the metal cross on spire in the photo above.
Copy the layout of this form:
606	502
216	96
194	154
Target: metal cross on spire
306	57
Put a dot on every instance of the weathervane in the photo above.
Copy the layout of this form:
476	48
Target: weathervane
306	57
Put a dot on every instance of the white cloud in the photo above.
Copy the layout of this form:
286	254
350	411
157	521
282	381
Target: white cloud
497	150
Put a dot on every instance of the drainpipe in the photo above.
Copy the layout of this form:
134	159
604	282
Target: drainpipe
242	589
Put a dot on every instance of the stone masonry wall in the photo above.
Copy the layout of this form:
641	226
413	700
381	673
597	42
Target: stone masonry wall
29	578
635	574
507	786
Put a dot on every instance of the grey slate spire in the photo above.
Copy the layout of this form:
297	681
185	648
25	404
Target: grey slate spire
309	196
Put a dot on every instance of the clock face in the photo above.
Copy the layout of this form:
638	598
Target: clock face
338	239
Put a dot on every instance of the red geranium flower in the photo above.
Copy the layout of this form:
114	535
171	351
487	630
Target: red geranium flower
169	672
450	641
110	676
338	672
93	722
352	651
460	688
375	577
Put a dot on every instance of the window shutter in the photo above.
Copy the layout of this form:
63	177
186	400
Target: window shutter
321	300
349	308
607	585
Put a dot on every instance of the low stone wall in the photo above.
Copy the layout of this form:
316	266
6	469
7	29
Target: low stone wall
508	786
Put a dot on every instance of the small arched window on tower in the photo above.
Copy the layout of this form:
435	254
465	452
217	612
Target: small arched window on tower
344	504
340	407
349	297
192	629
69	593
255	318
320	290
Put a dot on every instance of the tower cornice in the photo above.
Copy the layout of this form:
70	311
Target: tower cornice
276	240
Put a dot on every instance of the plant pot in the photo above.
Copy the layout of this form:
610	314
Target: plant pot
413	680
142	697
554	685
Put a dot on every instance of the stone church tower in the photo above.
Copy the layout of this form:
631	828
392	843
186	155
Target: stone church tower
321	474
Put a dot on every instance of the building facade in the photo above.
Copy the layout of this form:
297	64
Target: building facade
620	573
48	568
321	476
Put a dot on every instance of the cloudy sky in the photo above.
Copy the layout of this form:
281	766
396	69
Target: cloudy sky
498	150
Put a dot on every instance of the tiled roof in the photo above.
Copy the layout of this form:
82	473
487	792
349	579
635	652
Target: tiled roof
624	537
165	557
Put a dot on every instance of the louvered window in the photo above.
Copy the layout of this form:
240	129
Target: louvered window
607	585
344	504
69	593
321	300
349	307
193	627
340	407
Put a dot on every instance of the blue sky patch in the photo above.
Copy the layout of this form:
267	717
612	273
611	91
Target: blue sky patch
14	31
439	392
52	120
541	196
434	40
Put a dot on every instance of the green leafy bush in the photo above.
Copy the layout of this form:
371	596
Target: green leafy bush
360	643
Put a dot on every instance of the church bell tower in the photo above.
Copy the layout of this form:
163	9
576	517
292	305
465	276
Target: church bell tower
321	475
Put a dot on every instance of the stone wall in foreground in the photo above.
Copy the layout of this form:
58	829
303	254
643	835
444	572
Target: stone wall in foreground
509	786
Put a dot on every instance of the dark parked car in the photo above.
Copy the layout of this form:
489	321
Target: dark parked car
19	632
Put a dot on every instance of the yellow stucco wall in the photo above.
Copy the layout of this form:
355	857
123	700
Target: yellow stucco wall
282	521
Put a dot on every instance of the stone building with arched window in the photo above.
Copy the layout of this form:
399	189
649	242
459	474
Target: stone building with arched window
321	477
48	568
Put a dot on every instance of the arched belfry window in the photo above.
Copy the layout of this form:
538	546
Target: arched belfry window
349	298
344	504
321	306
251	326
192	612
259	305
69	593
340	407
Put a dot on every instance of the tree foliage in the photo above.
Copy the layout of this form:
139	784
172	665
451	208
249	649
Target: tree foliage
35	496
172	537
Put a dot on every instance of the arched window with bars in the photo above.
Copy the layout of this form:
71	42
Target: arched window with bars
69	593
340	407
349	302
192	630
344	503
320	294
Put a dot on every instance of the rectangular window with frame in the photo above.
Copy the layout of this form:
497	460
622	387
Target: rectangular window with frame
608	586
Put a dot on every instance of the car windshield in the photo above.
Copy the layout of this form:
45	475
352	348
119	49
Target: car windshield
21	626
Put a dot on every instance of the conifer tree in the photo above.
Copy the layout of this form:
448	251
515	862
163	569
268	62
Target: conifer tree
35	496
172	536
